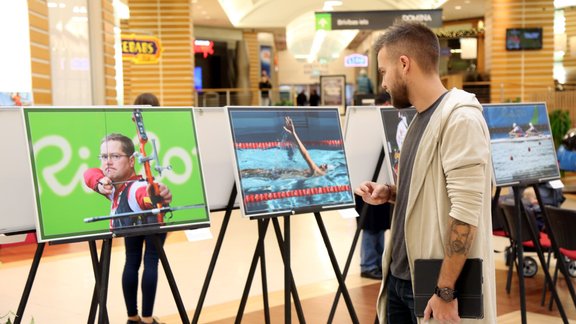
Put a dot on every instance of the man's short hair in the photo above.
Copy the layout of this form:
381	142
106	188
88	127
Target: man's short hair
411	39
125	142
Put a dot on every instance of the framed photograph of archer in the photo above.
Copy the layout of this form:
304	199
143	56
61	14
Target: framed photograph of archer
114	171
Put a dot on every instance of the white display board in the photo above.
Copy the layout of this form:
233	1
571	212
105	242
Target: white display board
215	144
17	189
363	143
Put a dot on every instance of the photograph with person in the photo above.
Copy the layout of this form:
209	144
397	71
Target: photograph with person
74	168
293	159
395	126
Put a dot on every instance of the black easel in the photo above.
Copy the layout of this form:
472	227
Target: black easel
517	189
215	254
556	250
105	272
361	219
289	284
104	275
29	282
96	266
342	285
32	276
259	254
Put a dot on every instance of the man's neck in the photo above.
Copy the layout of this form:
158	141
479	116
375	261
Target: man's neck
426	91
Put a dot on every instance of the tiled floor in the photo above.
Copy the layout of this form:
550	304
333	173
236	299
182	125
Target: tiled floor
63	286
62	289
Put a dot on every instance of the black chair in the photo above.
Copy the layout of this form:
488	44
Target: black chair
562	223
529	265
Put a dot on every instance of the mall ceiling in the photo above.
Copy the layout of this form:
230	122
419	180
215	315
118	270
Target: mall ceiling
276	14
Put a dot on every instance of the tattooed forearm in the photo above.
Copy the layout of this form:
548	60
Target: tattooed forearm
460	238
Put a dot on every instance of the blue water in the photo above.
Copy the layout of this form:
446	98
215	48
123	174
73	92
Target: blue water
278	159
524	160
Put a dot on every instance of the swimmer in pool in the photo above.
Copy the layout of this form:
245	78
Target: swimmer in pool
312	171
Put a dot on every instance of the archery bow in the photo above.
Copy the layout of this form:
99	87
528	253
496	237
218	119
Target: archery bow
159	207
144	159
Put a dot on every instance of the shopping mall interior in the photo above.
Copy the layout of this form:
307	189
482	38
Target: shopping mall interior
72	67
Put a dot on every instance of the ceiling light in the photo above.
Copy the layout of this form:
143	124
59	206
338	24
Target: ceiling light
458	7
333	3
316	44
564	3
304	41
121	9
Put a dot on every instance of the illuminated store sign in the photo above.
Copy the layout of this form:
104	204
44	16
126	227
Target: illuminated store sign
141	49
380	19
356	60
205	47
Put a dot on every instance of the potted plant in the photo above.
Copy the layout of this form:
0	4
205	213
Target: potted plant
560	123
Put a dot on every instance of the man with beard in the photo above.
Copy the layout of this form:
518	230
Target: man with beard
443	193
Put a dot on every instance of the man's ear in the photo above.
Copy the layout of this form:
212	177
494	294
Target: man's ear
405	61
131	159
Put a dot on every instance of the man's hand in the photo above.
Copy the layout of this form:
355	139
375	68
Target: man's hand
374	193
105	186
442	311
164	193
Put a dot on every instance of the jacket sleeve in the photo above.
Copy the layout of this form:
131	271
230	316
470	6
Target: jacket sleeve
92	176
465	151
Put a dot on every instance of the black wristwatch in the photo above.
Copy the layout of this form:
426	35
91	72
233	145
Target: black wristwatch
446	294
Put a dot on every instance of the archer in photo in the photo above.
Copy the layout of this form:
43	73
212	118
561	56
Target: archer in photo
116	179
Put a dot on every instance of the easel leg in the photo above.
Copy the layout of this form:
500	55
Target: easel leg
548	278
170	277
215	254
337	272
295	296
257	253
520	255
287	272
559	258
97	273
262	227
360	224
29	282
105	260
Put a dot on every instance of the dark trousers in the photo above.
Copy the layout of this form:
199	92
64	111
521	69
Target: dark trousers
400	301
134	246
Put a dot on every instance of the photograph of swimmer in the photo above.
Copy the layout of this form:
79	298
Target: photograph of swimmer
522	144
289	160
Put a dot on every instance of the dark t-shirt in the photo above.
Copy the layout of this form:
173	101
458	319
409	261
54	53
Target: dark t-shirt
399	266
377	217
264	87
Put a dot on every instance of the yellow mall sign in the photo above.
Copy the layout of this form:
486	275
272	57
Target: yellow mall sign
141	49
